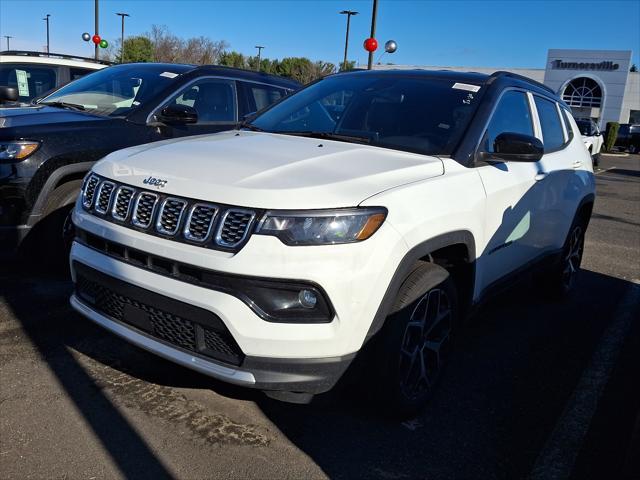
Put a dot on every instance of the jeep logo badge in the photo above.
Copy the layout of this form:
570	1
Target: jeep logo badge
155	182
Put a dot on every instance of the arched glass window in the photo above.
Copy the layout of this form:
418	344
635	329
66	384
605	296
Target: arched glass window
583	92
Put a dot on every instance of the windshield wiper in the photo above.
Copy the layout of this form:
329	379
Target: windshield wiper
67	105
249	126
330	136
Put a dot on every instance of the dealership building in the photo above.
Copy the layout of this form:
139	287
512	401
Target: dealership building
596	84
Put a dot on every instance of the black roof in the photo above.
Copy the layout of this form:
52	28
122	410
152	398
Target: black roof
463	77
219	70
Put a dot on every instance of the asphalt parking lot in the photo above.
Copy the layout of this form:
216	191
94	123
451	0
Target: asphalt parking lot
536	389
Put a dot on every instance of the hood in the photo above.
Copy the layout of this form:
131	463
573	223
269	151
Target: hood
264	170
41	115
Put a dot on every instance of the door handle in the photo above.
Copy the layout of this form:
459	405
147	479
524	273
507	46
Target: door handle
540	176
577	164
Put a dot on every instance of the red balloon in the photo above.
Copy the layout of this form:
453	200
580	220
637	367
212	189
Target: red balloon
370	44
96	39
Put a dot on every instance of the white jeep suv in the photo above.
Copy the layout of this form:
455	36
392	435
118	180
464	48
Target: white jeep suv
362	216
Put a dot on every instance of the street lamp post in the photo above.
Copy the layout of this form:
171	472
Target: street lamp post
374	14
348	13
96	30
122	35
46	19
8	37
259	47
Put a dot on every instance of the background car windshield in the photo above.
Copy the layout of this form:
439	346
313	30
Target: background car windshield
31	80
422	115
115	91
586	127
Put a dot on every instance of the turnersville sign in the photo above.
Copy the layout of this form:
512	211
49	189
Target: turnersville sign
560	65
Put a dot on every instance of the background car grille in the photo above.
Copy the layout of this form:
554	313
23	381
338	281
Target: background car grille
200	222
89	191
182	219
143	211
122	204
106	295
104	197
234	227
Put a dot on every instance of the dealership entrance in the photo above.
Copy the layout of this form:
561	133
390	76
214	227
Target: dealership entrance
584	96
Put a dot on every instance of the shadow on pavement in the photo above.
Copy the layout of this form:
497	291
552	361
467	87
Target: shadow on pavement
514	368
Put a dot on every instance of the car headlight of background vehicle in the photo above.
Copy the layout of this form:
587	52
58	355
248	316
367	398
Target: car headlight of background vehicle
322	227
17	150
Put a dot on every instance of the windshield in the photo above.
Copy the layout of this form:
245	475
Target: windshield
415	114
114	91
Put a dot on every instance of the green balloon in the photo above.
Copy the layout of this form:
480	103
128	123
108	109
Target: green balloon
104	44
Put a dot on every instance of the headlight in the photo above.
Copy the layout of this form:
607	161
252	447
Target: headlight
18	150
322	227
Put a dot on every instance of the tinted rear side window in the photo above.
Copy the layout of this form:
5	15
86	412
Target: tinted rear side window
511	115
552	135
30	80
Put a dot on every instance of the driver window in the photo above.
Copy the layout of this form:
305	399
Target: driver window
511	115
213	99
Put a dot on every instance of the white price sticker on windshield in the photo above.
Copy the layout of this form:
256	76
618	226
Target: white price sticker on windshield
169	74
466	86
23	83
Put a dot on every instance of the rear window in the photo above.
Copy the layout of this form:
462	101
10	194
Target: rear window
31	80
552	134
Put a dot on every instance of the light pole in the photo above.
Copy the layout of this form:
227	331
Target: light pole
95	30
122	35
8	37
46	19
373	30
259	47
348	13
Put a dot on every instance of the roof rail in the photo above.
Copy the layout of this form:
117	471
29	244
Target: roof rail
26	53
502	73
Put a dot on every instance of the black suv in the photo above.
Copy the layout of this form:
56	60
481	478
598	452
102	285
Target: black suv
628	138
46	149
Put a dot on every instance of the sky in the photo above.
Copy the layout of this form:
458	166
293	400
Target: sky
479	33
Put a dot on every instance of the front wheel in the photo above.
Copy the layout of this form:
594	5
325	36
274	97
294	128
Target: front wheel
414	349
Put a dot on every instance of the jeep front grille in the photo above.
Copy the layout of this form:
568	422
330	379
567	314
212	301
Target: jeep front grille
200	221
122	203
209	225
144	209
170	215
104	197
89	191
234	227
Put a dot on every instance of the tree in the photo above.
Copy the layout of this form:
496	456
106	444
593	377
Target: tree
233	59
137	49
350	66
170	48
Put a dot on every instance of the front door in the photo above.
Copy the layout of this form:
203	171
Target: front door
216	102
513	194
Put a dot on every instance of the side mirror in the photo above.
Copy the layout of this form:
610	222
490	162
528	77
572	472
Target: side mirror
8	94
515	147
178	115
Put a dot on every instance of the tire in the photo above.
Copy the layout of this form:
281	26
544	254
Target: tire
595	158
53	235
633	149
561	280
414	345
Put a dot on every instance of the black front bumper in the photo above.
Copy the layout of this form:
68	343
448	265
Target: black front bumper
198	333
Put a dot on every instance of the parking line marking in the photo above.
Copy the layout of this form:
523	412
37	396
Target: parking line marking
605	170
558	456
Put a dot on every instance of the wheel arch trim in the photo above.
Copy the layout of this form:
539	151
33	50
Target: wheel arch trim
407	265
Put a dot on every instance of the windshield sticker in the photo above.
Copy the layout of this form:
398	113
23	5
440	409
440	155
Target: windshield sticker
23	84
466	86
169	74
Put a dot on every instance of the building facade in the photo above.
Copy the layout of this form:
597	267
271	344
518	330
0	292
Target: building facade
596	84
